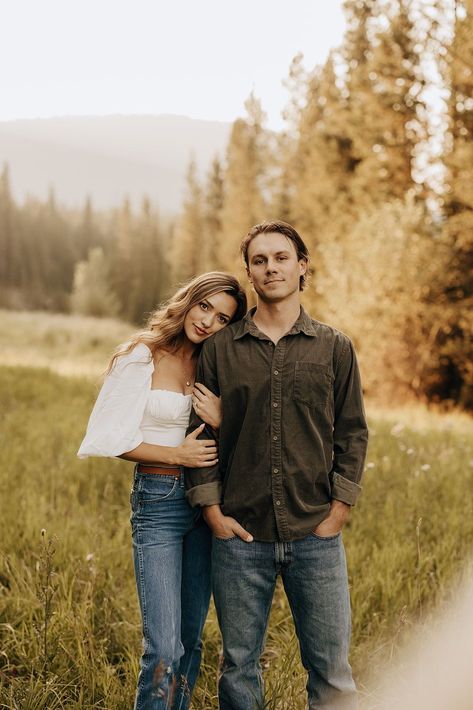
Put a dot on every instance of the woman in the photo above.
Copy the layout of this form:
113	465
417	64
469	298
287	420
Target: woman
141	415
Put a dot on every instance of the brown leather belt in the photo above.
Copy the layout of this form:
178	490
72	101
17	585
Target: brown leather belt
159	470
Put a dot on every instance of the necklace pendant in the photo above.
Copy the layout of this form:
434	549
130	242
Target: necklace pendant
188	383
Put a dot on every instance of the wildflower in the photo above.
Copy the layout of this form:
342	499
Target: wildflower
425	467
89	557
410	451
397	429
370	465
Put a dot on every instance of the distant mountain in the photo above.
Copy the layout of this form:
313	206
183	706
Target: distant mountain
108	157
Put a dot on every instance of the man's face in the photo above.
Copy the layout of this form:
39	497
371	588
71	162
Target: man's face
273	267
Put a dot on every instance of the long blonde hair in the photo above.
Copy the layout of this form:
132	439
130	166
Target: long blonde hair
165	326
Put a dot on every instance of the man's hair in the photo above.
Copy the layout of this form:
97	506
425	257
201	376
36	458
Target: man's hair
278	227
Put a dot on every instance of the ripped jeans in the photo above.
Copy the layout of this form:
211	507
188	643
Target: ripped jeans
171	552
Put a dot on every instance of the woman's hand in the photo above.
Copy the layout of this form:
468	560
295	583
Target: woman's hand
207	405
196	453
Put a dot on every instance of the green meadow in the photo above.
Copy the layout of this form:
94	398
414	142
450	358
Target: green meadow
69	620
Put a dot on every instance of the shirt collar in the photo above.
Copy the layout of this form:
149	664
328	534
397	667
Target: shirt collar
303	324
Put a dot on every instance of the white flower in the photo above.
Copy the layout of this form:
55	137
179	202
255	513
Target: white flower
89	557
370	465
409	452
425	467
397	429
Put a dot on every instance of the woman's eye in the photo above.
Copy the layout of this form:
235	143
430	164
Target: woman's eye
204	306
223	320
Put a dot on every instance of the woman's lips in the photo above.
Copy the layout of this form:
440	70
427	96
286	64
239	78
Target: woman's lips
199	331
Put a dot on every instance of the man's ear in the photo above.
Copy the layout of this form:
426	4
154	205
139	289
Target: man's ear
303	266
249	275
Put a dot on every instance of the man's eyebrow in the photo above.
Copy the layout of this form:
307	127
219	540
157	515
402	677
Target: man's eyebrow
263	256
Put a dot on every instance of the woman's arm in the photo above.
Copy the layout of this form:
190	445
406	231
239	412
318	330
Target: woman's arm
193	452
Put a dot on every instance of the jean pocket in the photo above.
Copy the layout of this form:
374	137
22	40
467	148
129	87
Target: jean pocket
327	538
157	490
224	539
312	383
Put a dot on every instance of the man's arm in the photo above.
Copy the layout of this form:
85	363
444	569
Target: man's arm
350	437
203	485
350	433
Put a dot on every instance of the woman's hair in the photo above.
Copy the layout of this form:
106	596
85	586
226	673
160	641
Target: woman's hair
165	326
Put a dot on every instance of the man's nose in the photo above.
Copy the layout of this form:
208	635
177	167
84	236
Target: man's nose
271	266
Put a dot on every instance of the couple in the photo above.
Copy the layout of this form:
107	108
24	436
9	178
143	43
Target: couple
281	393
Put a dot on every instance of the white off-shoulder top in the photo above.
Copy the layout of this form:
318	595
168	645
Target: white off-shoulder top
128	412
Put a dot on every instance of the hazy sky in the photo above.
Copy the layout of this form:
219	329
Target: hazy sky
200	58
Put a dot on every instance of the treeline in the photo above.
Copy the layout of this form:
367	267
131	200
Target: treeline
101	264
375	169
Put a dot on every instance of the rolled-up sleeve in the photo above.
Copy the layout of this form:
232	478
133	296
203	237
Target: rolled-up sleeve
203	485
114	424
350	428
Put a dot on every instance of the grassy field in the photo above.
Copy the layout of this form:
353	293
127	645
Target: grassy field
69	621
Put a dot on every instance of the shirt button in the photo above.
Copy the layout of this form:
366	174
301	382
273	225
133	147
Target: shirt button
275	404
278	502
275	438
276	372
275	470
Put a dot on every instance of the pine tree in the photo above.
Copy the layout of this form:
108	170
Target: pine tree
188	250
244	203
92	294
453	377
213	206
149	280
384	83
8	263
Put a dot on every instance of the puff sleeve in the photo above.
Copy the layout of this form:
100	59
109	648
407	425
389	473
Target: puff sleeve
114	425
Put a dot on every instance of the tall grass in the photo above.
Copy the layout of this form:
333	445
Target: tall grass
69	620
67	344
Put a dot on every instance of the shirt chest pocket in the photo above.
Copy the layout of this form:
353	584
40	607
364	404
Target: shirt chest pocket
312	383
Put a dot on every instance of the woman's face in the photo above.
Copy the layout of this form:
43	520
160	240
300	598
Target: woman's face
208	316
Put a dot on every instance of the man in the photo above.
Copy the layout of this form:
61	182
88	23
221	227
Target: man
291	455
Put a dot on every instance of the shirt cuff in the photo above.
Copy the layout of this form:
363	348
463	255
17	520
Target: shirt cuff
345	490
205	494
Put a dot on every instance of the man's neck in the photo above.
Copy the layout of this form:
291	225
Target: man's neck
276	319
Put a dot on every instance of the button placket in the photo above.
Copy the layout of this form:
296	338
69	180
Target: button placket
276	421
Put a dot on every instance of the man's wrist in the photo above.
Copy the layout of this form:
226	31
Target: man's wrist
339	510
212	513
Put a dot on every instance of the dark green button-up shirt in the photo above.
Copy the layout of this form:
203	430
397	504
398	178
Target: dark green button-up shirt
293	433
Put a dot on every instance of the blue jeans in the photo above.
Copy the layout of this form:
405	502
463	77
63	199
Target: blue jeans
314	575
171	551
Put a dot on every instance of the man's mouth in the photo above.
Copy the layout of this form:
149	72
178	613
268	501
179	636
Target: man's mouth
273	281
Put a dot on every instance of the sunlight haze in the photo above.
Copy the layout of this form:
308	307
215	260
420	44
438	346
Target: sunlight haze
151	57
